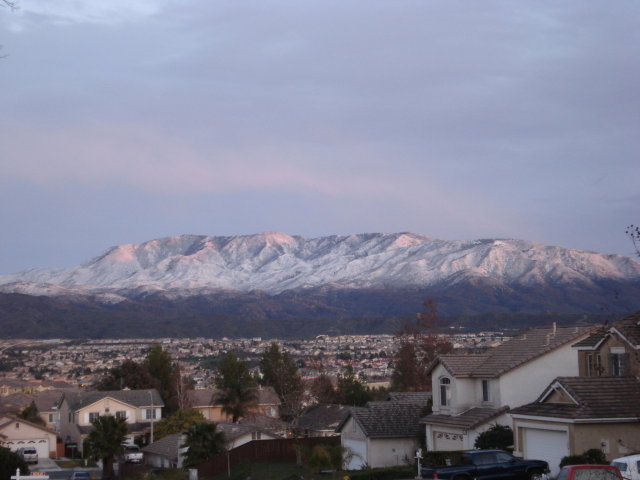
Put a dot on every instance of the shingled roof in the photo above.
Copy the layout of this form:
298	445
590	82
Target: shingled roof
389	419
511	354
629	329
323	417
468	419
167	447
586	398
203	397
136	398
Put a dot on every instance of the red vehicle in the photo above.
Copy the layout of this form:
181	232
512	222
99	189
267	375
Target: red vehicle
589	472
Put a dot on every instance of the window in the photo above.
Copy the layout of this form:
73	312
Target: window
590	366
618	363
51	418
485	391
121	414
93	416
150	413
256	435
445	391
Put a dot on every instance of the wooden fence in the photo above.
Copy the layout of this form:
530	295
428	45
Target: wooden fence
259	451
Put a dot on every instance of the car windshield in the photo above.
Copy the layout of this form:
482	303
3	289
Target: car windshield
620	465
30	451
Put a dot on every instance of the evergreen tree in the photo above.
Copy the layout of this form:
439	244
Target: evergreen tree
350	391
160	366
281	372
10	462
30	414
237	388
130	374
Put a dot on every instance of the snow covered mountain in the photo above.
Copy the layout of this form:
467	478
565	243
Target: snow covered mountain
275	263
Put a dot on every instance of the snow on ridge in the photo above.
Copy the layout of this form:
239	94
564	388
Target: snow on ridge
274	262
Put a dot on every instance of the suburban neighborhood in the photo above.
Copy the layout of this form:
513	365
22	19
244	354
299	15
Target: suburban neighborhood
562	390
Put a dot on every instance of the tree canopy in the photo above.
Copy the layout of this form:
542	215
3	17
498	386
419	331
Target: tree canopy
281	372
105	441
350	391
10	462
237	388
177	422
202	441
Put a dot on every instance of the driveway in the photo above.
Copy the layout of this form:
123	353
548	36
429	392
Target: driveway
44	465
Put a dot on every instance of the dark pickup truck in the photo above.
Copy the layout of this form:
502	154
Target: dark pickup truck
489	464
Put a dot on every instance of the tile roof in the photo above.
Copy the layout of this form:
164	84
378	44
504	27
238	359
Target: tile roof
138	398
202	397
468	419
629	328
592	340
264	422
16	402
167	447
323	417
595	398
46	400
235	430
389	419
511	354
412	397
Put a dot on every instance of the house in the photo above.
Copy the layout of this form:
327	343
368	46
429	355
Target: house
16	433
321	420
574	414
613	351
203	400
169	453
166	452
383	434
474	391
79	408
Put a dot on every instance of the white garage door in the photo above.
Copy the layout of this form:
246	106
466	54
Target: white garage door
446	442
40	444
549	445
357	453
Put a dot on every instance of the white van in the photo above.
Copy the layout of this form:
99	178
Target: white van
629	466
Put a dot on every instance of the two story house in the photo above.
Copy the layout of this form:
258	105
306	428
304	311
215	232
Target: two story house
204	400
600	408
472	392
78	409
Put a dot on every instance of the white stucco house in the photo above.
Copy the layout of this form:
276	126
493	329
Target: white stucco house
383	434
17	433
472	392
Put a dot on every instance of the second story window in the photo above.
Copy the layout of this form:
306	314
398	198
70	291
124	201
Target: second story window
150	413
618	362
445	391
485	391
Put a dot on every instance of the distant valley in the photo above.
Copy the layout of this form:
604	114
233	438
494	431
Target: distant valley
281	285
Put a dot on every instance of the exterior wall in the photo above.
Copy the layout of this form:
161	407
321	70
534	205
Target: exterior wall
468	437
613	341
524	384
614	439
51	420
387	452
22	431
109	406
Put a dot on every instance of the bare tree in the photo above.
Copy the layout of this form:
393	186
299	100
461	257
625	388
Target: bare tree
634	233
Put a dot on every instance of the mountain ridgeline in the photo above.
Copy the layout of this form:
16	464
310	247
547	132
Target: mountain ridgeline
281	285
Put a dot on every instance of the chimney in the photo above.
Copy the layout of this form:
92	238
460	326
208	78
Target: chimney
555	326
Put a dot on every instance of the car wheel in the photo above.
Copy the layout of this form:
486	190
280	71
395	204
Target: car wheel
536	475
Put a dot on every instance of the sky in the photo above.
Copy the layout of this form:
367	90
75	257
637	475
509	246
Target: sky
125	121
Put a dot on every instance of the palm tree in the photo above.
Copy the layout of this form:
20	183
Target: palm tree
105	441
203	441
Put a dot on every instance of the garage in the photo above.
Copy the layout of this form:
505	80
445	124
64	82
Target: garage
40	444
358	450
447	441
548	445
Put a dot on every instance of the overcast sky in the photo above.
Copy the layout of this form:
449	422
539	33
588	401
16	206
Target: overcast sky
123	121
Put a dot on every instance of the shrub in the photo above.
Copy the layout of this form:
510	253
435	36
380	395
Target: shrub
498	436
593	456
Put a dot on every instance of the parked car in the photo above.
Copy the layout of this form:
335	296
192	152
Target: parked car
29	454
629	466
489	464
589	472
80	476
132	453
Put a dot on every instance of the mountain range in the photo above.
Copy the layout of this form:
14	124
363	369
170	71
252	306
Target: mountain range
274	277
